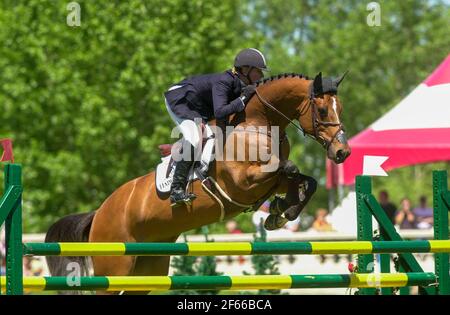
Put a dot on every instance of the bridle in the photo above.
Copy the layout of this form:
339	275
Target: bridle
316	122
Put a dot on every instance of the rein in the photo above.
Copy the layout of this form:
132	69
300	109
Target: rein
266	103
316	122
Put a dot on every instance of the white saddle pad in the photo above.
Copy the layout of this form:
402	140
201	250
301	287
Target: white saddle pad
166	169
164	174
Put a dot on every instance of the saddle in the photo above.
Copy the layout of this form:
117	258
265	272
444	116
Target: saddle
166	168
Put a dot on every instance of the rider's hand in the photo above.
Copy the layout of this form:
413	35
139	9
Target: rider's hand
247	92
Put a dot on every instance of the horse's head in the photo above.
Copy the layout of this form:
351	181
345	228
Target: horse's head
320	117
314	104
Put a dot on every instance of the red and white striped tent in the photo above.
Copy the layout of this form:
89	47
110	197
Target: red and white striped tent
415	131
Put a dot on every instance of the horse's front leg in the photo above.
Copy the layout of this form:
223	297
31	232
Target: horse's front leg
299	191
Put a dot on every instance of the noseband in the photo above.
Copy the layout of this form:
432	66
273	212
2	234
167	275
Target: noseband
316	122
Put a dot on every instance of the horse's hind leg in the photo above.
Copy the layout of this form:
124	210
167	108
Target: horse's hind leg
149	266
131	266
113	266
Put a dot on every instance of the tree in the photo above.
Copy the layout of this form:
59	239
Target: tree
84	105
385	62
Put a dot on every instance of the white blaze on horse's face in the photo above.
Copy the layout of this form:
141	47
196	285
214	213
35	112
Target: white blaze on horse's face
329	129
340	136
338	149
335	109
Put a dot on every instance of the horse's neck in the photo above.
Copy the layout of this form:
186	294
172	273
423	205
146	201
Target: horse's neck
238	176
284	95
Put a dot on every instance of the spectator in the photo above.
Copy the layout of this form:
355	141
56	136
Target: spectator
232	227
37	267
27	270
320	223
424	214
388	207
32	266
404	217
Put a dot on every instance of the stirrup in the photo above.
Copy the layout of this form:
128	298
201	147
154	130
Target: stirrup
187	200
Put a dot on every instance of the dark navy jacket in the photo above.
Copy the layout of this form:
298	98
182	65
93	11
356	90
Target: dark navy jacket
207	96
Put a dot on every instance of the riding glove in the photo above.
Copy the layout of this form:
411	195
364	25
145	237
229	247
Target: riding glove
247	92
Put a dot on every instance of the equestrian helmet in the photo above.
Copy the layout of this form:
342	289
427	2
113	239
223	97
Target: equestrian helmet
250	57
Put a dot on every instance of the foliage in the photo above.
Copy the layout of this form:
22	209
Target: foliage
385	62
84	105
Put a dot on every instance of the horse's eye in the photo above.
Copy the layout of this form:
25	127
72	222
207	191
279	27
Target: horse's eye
323	111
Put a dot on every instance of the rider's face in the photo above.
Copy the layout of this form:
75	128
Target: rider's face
255	74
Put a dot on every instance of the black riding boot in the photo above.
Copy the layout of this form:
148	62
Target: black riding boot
178	193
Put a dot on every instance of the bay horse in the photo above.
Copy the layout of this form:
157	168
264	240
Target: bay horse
135	213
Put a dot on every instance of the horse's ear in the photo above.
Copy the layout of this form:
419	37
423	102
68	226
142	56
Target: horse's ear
339	80
318	88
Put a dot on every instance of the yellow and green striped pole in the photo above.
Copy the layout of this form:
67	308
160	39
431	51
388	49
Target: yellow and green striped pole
235	248
117	283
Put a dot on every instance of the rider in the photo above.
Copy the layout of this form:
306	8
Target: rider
206	97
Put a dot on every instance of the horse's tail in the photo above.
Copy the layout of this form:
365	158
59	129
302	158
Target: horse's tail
71	228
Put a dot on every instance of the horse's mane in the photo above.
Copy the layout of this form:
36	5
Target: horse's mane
281	76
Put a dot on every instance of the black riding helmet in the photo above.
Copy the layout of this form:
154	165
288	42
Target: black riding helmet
252	58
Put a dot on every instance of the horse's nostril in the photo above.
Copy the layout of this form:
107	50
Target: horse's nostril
340	154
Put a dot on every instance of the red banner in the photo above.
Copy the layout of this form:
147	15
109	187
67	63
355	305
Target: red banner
7	150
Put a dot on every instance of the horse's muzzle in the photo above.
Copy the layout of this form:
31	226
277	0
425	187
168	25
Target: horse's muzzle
339	149
341	156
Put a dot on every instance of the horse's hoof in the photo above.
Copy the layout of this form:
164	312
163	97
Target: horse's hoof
293	212
277	206
274	222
